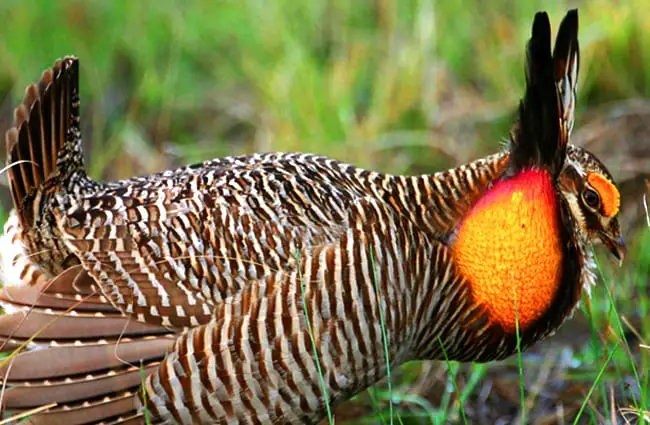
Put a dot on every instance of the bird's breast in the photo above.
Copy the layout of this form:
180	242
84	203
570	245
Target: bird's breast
509	249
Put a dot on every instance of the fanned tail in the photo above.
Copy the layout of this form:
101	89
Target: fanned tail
73	349
45	140
546	113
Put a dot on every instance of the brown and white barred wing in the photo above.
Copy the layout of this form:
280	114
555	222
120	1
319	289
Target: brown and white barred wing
170	249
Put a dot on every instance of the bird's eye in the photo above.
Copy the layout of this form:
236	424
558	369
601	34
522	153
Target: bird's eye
591	198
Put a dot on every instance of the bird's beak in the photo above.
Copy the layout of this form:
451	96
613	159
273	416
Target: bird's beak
615	245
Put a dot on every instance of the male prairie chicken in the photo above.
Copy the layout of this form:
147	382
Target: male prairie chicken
262	289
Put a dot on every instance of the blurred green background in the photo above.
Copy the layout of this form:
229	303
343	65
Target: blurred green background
400	86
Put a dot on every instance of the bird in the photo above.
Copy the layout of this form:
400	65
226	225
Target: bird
269	288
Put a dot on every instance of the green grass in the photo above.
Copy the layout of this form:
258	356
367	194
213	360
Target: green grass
400	86
522	390
453	381
385	341
365	83
312	339
143	391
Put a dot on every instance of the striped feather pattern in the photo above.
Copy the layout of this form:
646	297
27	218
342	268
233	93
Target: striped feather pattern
255	289
170	247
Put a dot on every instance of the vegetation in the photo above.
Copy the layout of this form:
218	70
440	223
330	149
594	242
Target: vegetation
403	86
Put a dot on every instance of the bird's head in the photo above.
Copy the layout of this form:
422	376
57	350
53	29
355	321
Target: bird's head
593	199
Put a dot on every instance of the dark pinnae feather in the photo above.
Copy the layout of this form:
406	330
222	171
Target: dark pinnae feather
546	112
566	60
566	44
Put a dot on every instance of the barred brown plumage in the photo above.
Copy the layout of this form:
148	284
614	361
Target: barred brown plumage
264	288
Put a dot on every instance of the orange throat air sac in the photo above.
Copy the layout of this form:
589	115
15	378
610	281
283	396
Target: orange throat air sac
509	249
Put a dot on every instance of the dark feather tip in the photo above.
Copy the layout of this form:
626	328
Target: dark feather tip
566	42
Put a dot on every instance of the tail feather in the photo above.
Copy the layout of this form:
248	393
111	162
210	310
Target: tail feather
72	356
76	351
93	412
45	135
50	294
76	358
27	395
48	325
546	112
130	420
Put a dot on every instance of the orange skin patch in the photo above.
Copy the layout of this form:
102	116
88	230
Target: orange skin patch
509	249
610	198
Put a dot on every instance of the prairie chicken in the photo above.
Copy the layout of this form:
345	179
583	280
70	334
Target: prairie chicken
262	289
